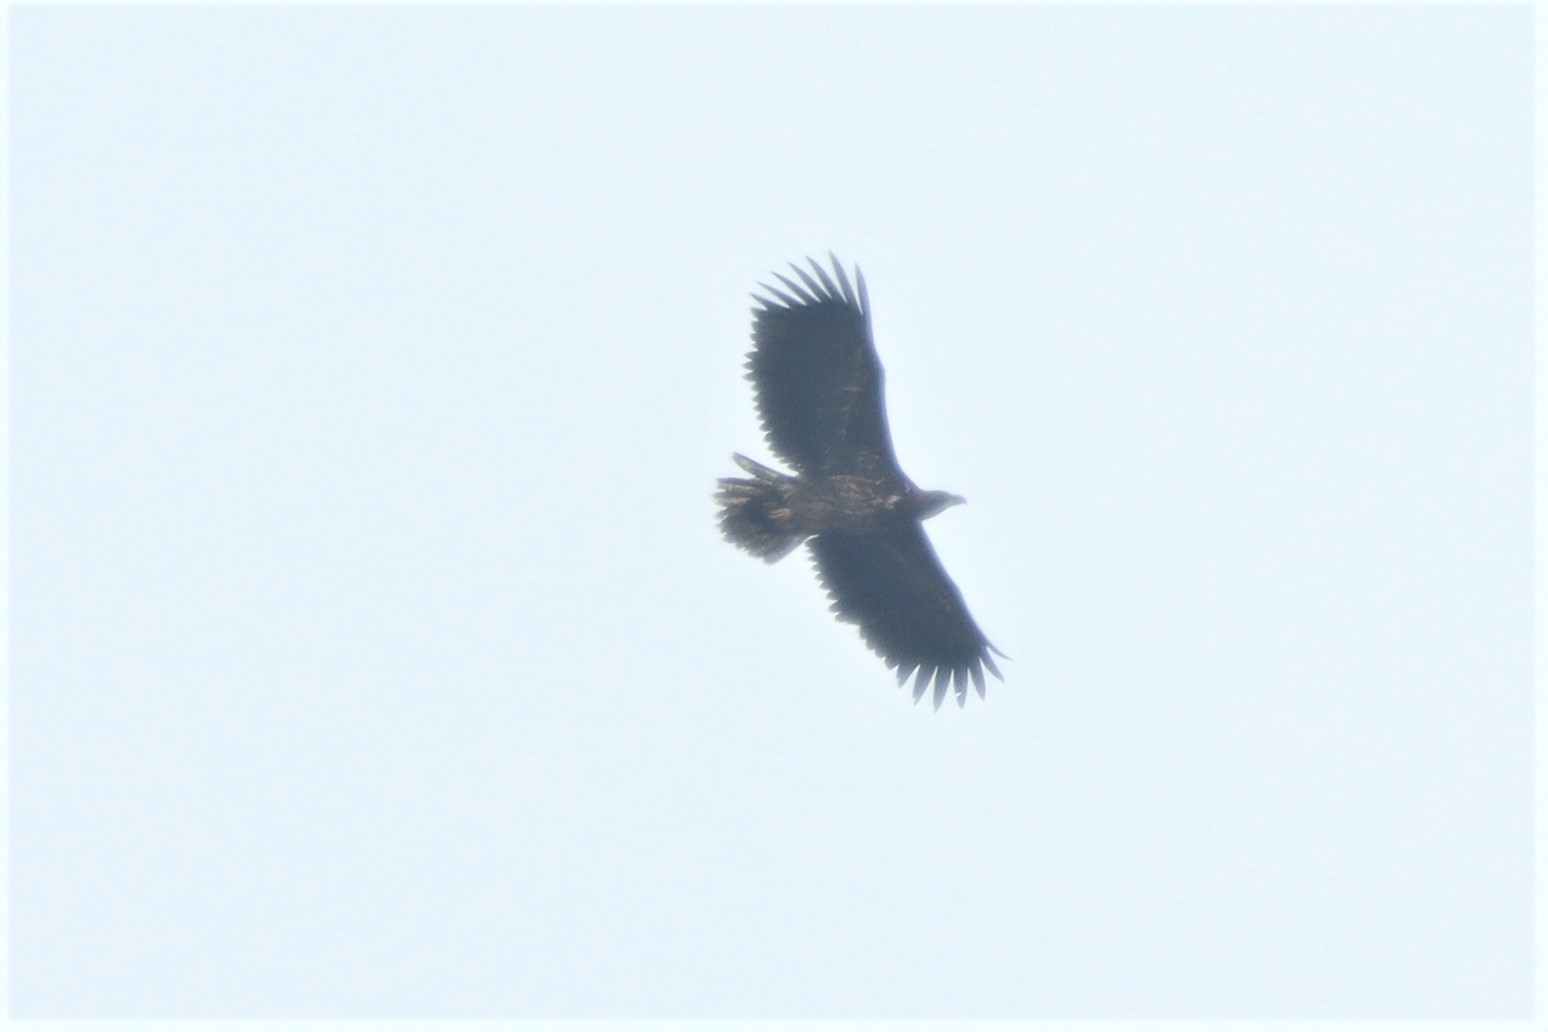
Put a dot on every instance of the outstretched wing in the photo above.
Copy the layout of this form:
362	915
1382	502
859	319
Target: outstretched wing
909	611
816	375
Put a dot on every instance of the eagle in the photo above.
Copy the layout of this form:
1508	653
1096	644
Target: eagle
818	385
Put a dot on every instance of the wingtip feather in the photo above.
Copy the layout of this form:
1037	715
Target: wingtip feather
849	291
943	676
827	281
817	292
806	296
921	682
784	299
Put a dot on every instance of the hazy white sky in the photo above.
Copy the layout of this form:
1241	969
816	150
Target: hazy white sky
374	651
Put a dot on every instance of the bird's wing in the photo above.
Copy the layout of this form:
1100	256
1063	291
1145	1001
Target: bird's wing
816	375
909	612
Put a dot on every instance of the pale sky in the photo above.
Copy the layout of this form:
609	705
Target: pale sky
374	652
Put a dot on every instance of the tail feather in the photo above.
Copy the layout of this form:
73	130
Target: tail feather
756	515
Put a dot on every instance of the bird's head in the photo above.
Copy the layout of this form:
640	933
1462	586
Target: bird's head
933	502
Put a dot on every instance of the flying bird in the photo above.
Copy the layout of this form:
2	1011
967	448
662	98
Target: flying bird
818	386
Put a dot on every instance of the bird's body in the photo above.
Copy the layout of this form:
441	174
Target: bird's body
819	389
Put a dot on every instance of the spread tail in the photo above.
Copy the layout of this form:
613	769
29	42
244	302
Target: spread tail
756	515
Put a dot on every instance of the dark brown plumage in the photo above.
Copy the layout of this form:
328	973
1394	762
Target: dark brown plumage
818	385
